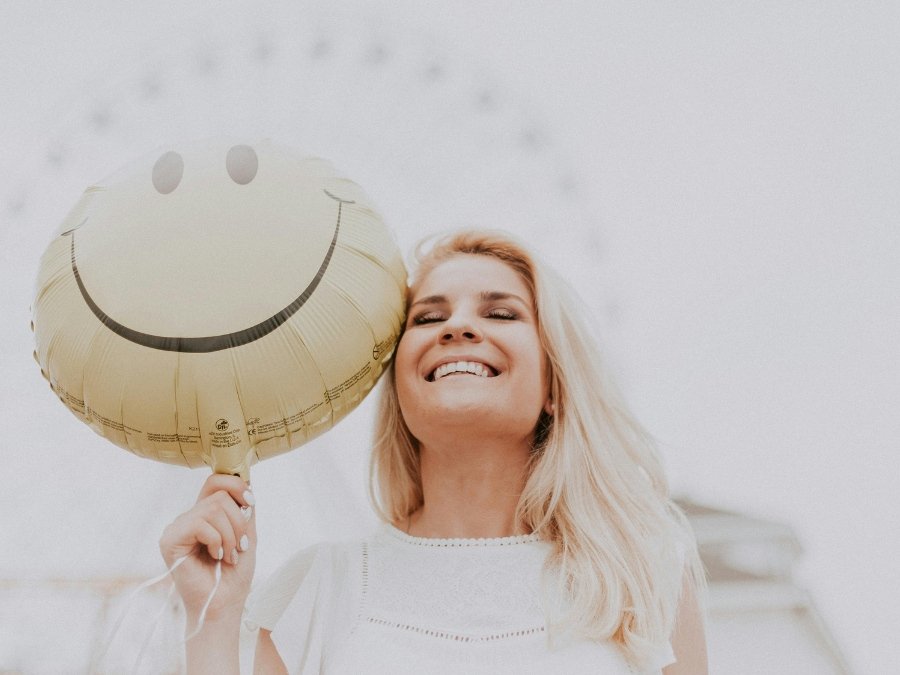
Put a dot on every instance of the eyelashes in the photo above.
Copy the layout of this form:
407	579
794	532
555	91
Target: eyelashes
503	313
434	316
427	317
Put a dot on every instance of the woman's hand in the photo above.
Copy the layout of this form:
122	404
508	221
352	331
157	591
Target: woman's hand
220	526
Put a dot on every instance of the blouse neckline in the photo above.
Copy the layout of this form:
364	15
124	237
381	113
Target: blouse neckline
460	542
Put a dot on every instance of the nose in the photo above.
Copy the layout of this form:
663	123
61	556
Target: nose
460	330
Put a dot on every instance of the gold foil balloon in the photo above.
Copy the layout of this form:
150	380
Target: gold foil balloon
218	304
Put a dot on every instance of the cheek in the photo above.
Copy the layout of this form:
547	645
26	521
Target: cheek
542	368
532	351
405	364
542	390
406	381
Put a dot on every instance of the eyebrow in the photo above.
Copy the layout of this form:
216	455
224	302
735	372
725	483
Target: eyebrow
485	296
430	300
501	295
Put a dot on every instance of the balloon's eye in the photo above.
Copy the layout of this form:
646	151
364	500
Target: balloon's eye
242	164
167	172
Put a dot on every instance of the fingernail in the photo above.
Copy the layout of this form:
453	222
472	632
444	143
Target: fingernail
234	556
245	543
221	553
249	498
246	511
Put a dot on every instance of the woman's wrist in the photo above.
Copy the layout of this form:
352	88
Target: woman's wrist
221	620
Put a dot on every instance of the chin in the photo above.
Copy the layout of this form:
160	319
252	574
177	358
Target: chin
467	418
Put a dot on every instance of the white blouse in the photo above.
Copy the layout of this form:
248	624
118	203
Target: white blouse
402	604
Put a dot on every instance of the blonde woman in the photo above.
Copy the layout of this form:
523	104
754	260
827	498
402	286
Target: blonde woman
527	523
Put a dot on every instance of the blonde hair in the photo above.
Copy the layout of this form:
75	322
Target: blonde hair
595	485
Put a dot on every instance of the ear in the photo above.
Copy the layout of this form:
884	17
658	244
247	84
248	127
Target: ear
550	407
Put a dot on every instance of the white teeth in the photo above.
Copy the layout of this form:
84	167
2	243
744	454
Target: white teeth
472	367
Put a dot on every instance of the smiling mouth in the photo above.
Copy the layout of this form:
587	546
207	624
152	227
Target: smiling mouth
461	368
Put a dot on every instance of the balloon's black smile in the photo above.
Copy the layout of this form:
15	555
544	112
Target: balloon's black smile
212	343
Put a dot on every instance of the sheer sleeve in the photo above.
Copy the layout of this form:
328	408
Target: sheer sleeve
295	604
663	657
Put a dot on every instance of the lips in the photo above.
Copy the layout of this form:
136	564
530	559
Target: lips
446	369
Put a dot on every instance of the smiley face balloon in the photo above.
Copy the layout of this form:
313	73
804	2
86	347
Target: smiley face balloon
218	304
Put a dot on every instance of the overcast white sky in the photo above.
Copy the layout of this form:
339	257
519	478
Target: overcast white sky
719	179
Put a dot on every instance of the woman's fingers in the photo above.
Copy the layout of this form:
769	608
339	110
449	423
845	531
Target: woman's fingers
232	522
211	538
219	526
238	516
219	520
220	523
235	498
240	491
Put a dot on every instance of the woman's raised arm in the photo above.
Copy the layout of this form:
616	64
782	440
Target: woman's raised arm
220	527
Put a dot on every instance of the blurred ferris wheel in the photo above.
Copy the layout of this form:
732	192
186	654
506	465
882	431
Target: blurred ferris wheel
431	134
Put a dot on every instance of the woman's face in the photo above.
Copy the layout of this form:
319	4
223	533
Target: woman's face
470	361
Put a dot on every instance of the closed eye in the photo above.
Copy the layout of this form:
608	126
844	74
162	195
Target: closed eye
435	316
428	317
503	313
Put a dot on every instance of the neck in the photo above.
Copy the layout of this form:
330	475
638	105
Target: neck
470	490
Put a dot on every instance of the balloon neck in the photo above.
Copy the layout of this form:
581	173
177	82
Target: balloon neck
244	473
235	467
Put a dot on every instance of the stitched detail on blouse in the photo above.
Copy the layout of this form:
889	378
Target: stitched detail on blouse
474	589
364	586
457	543
365	568
457	637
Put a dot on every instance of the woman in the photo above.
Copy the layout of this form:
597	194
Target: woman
527	522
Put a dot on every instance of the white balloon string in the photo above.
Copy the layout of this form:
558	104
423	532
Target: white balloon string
130	601
208	601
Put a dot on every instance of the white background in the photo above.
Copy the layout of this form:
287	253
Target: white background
735	170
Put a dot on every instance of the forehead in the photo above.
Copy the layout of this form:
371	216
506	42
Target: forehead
467	273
